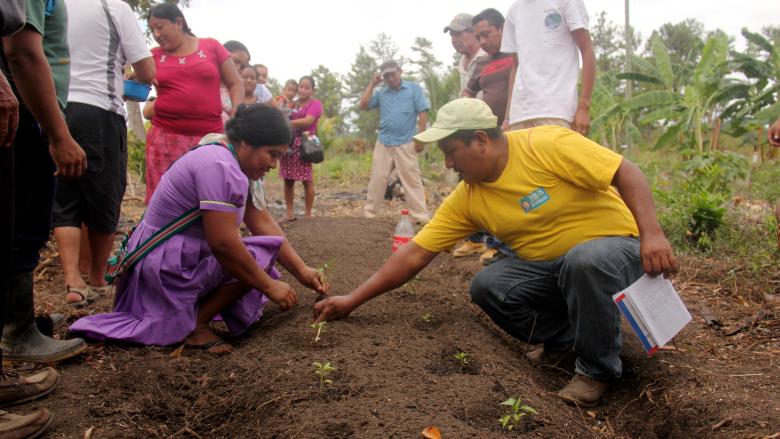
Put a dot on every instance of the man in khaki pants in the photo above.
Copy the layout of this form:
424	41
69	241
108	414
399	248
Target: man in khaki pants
403	112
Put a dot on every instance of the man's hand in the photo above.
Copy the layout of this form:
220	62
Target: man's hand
376	80
657	256
70	159
9	113
505	125
313	279
333	308
581	121
281	294
774	134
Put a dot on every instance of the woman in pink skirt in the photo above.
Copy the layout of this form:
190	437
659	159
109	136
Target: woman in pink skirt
291	167
188	105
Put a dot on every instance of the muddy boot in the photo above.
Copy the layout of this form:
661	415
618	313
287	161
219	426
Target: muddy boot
15	389
24	426
21	339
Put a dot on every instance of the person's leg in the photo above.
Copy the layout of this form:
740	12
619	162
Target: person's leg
289	199
104	187
6	229
68	241
208	308
85	259
381	167
33	196
522	298
308	188
408	165
590	274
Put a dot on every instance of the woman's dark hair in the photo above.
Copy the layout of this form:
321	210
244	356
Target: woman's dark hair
491	15
234	46
258	125
310	79
170	12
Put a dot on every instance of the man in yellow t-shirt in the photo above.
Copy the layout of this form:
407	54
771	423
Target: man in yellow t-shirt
579	218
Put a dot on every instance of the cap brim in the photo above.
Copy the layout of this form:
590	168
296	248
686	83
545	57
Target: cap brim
433	135
389	70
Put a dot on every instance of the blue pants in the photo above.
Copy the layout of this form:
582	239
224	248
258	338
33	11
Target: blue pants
565	303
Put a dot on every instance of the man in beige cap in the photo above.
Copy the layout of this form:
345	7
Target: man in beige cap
464	42
554	197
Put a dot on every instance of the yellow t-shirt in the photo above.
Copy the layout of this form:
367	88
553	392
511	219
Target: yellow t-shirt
553	194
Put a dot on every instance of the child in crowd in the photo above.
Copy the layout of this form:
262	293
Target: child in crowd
286	100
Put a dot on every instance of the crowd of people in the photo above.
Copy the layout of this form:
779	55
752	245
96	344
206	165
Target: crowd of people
562	222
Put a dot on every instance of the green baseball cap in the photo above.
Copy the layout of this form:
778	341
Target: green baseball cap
460	114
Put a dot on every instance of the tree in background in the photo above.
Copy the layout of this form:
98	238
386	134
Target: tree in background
330	91
142	7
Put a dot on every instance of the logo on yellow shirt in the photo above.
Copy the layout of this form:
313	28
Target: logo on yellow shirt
534	200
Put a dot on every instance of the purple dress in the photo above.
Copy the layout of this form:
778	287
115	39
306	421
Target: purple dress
158	298
291	166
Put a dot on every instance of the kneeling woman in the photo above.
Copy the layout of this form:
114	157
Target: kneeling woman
173	293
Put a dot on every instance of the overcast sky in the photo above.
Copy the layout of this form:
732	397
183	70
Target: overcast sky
293	37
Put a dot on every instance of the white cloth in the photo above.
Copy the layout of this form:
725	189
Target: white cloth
466	71
539	32
103	35
263	93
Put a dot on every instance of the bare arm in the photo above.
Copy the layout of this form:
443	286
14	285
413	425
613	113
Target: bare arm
33	78
225	243
261	223
365	98
655	250
233	83
582	115
510	90
396	271
9	113
303	122
144	70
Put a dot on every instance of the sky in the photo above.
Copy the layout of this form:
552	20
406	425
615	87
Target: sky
293	37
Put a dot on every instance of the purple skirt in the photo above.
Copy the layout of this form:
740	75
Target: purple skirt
157	301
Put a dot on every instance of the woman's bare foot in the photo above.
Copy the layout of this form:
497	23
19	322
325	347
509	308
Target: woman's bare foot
203	338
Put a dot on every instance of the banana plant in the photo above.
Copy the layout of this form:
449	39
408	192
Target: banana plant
688	112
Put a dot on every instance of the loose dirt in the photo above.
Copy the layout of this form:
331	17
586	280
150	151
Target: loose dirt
396	371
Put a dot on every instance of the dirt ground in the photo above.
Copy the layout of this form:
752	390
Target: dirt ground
396	371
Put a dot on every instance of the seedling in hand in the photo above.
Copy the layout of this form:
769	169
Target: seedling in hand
463	359
320	327
322	272
515	417
322	371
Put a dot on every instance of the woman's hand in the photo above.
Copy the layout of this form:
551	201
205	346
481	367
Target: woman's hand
281	294
313	279
333	308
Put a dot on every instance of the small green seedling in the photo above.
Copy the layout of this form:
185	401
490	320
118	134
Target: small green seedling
320	327
322	371
463	359
515	417
426	317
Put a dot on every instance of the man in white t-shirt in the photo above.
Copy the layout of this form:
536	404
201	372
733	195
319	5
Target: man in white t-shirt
547	37
104	35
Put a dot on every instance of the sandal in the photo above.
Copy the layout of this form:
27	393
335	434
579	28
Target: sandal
86	293
98	292
211	345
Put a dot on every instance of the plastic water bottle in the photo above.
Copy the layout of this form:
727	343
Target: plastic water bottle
403	231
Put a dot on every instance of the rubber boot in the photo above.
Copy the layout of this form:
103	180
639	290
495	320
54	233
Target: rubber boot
21	339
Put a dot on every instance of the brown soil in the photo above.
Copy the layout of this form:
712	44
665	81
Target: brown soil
396	368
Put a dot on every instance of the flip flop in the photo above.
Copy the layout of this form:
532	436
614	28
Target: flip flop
86	293
210	345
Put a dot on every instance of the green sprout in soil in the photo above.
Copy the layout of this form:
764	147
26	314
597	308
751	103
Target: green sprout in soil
426	317
322	371
515	417
463	359
320	327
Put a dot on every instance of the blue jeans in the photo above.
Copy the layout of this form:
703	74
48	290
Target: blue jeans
565	303
491	242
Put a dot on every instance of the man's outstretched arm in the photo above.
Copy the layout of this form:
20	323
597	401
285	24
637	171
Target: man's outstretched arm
396	271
